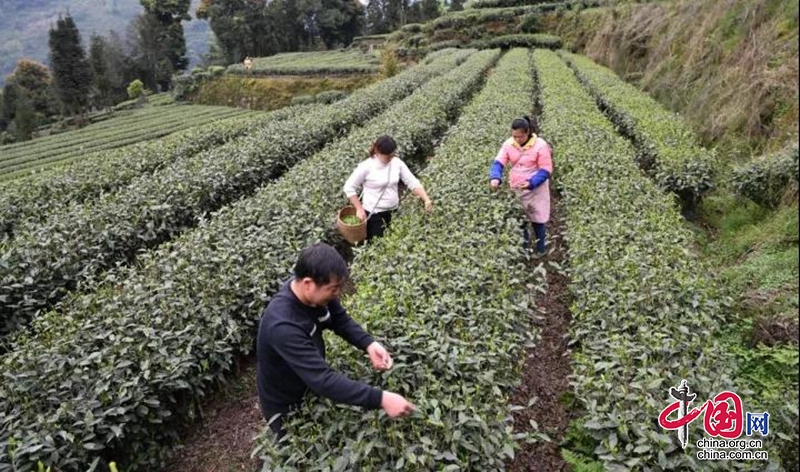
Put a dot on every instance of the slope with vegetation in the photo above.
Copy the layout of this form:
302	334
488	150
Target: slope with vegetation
24	25
17	160
175	257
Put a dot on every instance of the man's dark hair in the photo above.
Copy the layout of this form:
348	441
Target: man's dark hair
322	263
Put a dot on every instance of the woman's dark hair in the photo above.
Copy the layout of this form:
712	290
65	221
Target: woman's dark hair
527	125
384	145
322	263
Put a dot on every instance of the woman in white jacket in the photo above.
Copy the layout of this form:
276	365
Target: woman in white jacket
379	176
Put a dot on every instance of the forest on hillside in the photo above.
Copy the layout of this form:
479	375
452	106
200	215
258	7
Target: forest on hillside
24	25
152	41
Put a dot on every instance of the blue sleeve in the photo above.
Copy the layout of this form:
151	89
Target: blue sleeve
496	171
538	178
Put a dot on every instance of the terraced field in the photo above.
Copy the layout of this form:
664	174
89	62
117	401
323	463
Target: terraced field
17	160
130	285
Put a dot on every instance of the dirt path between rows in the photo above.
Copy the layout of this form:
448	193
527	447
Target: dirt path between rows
547	367
223	441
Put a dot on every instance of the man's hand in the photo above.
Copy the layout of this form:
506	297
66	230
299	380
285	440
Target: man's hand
381	360
395	405
494	183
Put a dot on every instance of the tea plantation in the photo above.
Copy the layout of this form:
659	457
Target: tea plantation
133	277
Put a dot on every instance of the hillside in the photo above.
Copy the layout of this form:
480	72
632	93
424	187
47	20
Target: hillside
24	26
134	278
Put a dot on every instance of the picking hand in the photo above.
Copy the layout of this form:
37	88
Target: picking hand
361	214
381	360
494	183
395	405
428	206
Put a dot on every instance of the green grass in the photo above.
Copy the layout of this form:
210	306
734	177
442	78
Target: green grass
756	251
767	380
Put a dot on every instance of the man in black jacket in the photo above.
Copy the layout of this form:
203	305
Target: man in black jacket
291	351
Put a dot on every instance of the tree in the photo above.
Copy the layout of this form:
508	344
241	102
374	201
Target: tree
72	76
338	21
98	61
429	10
216	55
24	123
395	13
122	68
243	27
375	17
260	28
167	49
150	55
291	16
9	107
456	5
34	80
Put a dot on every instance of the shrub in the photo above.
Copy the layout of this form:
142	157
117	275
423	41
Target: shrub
524	40
766	181
445	45
330	96
135	89
667	148
303	100
389	63
412	28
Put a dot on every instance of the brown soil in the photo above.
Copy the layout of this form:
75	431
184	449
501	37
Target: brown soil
775	330
547	367
224	439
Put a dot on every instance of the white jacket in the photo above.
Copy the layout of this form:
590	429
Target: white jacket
372	175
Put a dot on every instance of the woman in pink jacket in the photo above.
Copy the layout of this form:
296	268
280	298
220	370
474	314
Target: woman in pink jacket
531	168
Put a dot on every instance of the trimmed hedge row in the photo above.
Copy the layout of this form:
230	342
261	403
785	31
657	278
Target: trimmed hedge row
467	18
345	61
766	180
59	140
454	322
158	99
472	17
39	166
478	4
645	313
436	55
546	41
325	98
148	124
105	172
116	368
445	45
667	148
48	259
